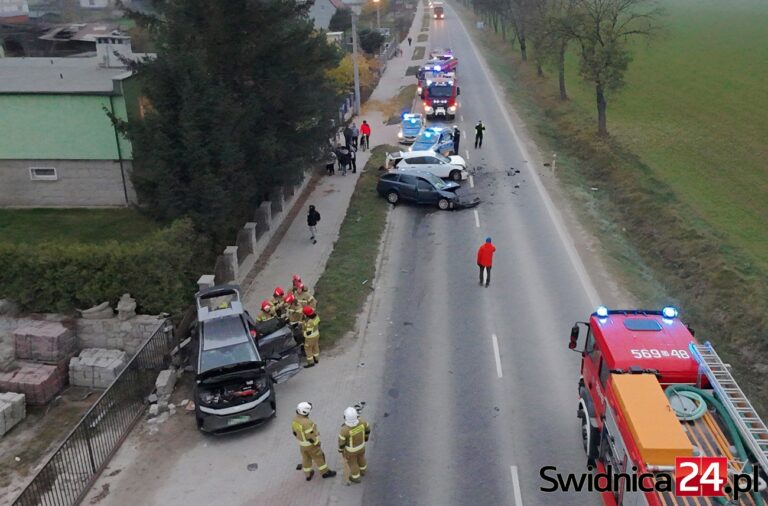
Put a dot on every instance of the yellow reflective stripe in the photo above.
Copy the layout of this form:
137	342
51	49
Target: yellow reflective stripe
363	468
307	431
305	443
323	467
354	449
342	437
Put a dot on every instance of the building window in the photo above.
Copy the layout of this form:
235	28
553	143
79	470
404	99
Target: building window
43	174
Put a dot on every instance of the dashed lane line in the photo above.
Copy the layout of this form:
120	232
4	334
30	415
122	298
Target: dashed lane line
496	354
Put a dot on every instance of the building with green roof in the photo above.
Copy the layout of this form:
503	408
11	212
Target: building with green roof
58	146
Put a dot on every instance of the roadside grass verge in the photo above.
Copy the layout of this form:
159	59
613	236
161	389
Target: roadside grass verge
418	52
412	71
422	37
668	252
393	108
349	274
32	226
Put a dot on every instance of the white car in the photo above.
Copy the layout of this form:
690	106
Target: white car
447	167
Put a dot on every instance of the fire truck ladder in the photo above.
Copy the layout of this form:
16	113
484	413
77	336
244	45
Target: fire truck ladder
751	427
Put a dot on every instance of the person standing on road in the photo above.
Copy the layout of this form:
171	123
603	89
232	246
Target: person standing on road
352	438
485	260
456	139
365	129
479	129
312	218
306	433
409	41
310	325
292	309
295	283
347	136
344	159
277	302
353	159
267	312
355	135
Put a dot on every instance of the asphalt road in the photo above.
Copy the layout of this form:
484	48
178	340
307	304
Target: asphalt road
460	422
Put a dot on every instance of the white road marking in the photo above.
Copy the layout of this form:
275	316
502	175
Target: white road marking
466	152
516	486
553	212
471	181
496	354
477	219
461	117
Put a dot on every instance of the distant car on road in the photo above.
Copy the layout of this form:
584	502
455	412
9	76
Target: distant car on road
418	187
448	167
411	127
438	139
238	362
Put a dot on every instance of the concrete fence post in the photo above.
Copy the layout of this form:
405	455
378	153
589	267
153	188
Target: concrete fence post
230	256
206	281
276	201
250	229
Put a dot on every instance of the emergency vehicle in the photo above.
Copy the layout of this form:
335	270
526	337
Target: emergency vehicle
438	12
440	96
649	393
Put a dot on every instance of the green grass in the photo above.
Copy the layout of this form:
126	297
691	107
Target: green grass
418	52
422	37
403	102
75	225
694	109
349	275
412	71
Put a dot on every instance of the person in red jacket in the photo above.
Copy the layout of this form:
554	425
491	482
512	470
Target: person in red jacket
485	260
365	139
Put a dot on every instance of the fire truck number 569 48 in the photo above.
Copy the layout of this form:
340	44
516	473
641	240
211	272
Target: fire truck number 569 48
654	353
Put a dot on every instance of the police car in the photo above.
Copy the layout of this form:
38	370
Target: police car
411	127
439	139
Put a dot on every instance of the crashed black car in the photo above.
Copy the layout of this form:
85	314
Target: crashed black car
238	362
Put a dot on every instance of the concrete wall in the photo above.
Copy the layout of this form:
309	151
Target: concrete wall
80	183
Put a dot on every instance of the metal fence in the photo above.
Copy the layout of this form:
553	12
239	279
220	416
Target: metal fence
69	473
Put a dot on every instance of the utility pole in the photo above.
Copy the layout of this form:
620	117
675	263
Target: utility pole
378	17
356	70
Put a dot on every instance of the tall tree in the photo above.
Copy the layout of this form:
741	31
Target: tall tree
551	31
240	103
602	29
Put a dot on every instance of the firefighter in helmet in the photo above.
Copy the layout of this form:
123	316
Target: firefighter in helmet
354	432
293	309
310	326
267	312
306	433
296	282
306	298
277	302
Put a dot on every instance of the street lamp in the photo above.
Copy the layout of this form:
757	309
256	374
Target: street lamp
354	6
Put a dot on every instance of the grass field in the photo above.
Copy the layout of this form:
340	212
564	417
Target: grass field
694	109
418	52
75	225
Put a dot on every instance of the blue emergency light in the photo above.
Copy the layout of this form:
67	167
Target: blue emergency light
602	312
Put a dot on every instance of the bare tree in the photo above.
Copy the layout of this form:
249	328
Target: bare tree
550	31
602	29
521	12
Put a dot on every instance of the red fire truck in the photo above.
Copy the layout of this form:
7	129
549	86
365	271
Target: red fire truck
439	96
652	402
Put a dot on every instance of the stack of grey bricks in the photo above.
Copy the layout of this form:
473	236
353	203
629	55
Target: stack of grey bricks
13	409
96	367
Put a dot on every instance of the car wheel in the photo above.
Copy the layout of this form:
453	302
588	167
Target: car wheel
455	175
393	197
443	204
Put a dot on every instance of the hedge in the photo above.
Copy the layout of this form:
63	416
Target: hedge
159	272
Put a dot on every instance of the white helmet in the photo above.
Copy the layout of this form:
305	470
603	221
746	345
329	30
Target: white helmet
351	417
304	408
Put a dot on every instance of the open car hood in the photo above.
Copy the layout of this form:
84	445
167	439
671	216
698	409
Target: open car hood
451	186
229	369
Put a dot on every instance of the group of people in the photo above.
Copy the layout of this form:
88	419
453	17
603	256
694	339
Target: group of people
298	309
353	434
346	154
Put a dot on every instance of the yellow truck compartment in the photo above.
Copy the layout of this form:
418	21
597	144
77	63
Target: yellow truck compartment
658	434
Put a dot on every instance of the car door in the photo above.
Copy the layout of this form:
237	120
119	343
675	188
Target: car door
281	353
408	187
446	143
436	167
426	192
414	163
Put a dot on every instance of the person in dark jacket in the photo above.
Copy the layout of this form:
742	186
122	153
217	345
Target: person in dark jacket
348	136
456	139
312	218
479	130
353	160
344	159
